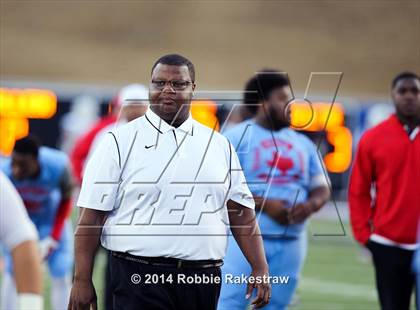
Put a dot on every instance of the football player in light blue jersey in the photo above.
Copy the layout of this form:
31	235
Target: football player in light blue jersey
42	177
286	177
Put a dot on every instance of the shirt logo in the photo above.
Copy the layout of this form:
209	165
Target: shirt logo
281	156
148	146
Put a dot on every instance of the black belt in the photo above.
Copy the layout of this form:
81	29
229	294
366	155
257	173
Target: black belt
169	261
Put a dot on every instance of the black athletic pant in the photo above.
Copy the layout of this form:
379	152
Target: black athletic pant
394	276
108	289
160	296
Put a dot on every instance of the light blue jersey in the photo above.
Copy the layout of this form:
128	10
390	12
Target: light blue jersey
277	165
41	196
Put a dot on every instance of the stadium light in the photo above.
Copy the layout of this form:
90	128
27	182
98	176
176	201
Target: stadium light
16	107
321	116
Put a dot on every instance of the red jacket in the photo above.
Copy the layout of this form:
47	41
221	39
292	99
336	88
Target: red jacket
387	158
82	146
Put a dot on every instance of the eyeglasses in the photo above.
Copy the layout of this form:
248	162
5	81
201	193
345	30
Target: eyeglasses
403	90
176	85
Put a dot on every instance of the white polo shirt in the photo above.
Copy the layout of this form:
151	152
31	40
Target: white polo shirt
15	224
166	188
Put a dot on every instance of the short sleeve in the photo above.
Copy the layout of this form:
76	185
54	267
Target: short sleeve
238	190
232	136
101	178
15	225
317	177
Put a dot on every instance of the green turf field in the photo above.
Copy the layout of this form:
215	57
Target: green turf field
336	275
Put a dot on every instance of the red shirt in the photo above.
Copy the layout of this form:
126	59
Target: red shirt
82	146
388	159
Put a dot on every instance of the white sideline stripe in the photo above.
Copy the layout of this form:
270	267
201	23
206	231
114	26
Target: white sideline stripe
338	288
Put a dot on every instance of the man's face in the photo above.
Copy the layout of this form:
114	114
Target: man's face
406	96
277	104
171	91
24	166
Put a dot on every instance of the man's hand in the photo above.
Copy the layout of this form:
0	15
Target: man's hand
281	215
263	288
276	209
46	247
317	198
300	212
83	296
86	242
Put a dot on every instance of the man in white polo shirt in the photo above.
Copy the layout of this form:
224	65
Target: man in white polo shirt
162	192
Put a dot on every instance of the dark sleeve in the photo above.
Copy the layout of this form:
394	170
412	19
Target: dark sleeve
66	183
359	196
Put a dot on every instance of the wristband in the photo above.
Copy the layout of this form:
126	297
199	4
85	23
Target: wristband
30	301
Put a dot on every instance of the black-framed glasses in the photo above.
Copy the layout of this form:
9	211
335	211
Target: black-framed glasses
175	84
404	90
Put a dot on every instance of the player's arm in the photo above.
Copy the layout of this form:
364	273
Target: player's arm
49	243
28	274
318	192
359	194
19	235
317	198
274	208
65	207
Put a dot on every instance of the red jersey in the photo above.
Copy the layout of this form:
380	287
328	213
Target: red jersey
388	159
82	146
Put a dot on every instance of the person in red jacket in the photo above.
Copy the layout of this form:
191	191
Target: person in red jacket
125	107
384	193
82	146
